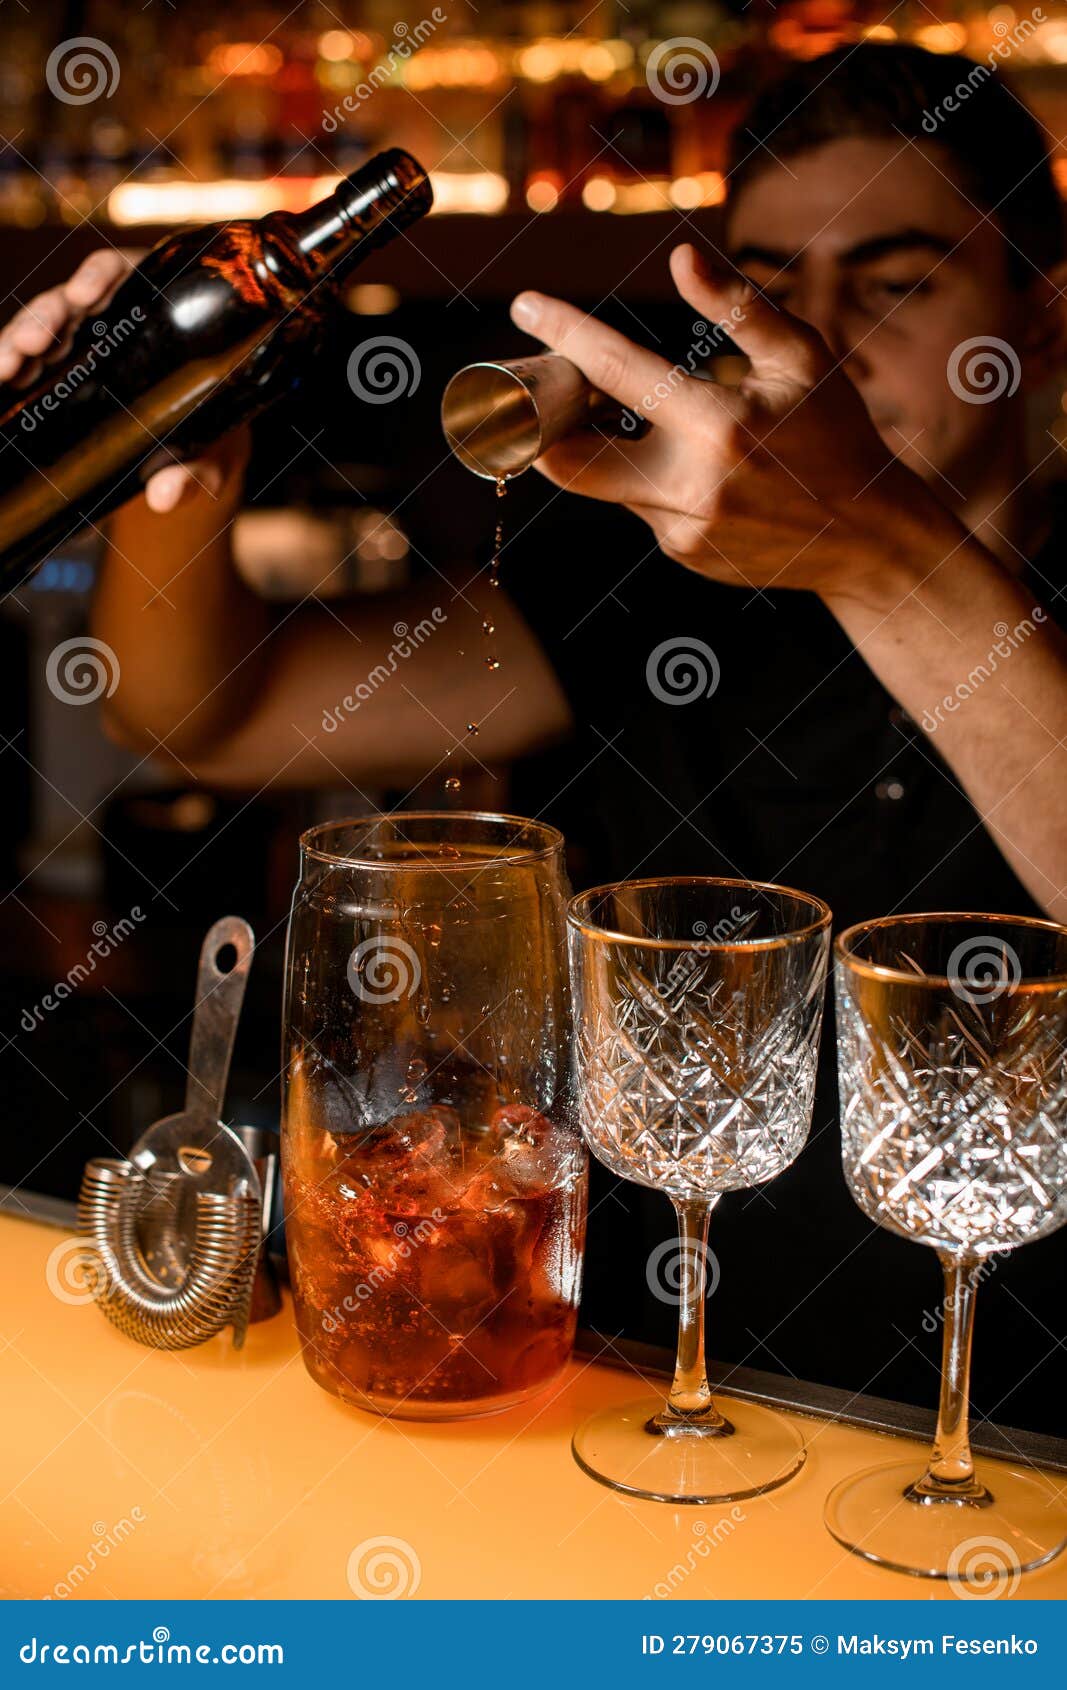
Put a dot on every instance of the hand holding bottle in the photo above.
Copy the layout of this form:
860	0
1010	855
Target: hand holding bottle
210	329
42	331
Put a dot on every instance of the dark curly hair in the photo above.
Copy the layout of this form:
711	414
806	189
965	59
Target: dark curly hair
991	142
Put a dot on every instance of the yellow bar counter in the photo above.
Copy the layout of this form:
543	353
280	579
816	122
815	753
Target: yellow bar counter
127	1472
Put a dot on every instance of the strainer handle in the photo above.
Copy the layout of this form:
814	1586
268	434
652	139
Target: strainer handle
219	995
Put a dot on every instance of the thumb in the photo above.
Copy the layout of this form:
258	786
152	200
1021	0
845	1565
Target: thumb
775	343
181	484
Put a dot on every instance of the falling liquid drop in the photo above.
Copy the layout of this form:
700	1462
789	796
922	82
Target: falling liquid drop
498	537
452	782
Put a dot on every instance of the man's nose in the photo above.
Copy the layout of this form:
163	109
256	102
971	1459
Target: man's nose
825	306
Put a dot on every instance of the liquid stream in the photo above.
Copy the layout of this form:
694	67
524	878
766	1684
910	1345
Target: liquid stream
454	783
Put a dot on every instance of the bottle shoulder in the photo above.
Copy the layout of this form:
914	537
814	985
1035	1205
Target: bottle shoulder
232	261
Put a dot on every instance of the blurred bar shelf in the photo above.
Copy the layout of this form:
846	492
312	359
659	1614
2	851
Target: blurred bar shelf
577	254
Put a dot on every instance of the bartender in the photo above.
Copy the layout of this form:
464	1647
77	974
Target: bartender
864	563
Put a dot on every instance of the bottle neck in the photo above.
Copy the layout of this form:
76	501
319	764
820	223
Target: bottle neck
382	198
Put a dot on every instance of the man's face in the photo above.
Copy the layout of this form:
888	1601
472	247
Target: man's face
872	243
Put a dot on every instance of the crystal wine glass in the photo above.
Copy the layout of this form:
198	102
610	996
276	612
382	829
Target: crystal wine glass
697	1010
952	1032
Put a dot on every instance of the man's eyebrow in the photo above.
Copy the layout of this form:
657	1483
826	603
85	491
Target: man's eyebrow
774	257
865	252
901	240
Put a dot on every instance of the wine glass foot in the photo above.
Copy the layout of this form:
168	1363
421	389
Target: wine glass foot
617	1448
982	1546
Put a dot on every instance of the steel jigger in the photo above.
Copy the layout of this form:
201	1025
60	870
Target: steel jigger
499	418
174	1233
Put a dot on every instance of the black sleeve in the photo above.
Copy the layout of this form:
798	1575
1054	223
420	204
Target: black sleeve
577	569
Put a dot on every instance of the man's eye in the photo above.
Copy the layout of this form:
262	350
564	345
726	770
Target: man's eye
774	285
899	287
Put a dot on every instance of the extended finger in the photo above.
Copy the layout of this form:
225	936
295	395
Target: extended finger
11	359
609	360
96	277
33	329
42	326
600	466
775	342
179	483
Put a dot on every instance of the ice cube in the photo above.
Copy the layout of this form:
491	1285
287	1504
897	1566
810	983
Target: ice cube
380	1155
454	1269
414	1169
534	1154
518	1120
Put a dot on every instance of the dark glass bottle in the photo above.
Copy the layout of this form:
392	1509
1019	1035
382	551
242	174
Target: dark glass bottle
208	331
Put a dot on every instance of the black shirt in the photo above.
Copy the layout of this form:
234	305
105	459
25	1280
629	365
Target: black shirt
727	731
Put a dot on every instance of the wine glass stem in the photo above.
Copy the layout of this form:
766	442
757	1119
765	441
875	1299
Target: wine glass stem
690	1400
951	1469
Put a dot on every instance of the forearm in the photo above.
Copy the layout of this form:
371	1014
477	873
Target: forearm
981	667
187	633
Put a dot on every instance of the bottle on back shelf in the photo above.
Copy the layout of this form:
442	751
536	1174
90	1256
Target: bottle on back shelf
206	332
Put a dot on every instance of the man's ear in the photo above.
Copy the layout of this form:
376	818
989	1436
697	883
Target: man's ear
1042	340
